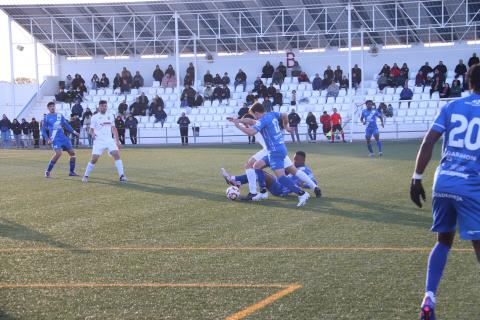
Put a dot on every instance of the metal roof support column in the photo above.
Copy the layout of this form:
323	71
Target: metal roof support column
12	67
37	74
362	61
177	54
352	110
195	82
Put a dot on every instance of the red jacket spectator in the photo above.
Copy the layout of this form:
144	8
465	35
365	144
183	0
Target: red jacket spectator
326	122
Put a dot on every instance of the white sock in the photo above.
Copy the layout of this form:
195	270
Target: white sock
89	169
305	178
252	180
119	165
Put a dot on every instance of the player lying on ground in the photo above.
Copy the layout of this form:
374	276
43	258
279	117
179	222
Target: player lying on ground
55	123
272	185
267	124
101	129
456	188
369	119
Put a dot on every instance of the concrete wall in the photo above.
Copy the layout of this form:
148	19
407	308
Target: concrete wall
23	93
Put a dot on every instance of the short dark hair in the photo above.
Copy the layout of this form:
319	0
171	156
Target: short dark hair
102	102
301	153
50	103
257	107
473	76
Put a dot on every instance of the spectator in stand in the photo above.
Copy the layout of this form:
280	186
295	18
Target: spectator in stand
191	70
188	96
445	91
120	125
132	123
122	108
425	70
217	80
419	79
125	87
442	69
326	122
183	123
385	70
262	92
460	70
328	74
250	98
87	122
437	84
135	108
456	89
127	75
61	96
337	74
256	84
282	69
226	79
406	93
404	72
344	83
303	78
138	80
188	79
26	133
267	104
17	133
473	60
358	75
382	81
104	82
208	79
76	125
332	90
158	74
198	102
81	90
143	101
68	82
278	99
154	106
438	75
169	81
296	69
208	93
277	78
217	94
317	82
5	126
271	91
170	71
117	81
240	78
395	74
267	70
312	127
225	96
94	82
77	81
77	109
242	111
161	116
35	129
293	98
293	121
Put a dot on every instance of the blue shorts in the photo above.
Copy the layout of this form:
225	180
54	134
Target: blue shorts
371	131
278	190
449	208
275	160
62	143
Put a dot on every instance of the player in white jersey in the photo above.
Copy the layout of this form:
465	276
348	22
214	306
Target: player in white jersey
101	129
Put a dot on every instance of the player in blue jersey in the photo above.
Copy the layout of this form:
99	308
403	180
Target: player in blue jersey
369	118
55	123
456	187
268	126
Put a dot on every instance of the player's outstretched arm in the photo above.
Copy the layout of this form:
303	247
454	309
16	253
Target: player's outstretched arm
423	157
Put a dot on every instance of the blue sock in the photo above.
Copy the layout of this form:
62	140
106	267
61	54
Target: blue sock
72	164
261	179
50	165
287	182
369	146
242	179
436	264
379	146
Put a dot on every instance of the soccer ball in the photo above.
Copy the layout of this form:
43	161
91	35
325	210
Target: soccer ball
233	193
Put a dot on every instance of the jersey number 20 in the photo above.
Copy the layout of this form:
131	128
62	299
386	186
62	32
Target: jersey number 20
469	127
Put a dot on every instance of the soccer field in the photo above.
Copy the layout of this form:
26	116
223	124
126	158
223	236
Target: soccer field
169	245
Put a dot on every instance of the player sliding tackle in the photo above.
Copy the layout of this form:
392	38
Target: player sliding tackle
101	129
269	128
54	123
456	188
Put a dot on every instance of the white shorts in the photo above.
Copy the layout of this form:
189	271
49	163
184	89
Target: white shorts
100	146
264	153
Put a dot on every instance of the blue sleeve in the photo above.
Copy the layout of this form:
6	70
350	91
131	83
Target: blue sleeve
440	122
43	129
260	124
66	125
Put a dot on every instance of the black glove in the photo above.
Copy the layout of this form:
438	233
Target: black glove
416	191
